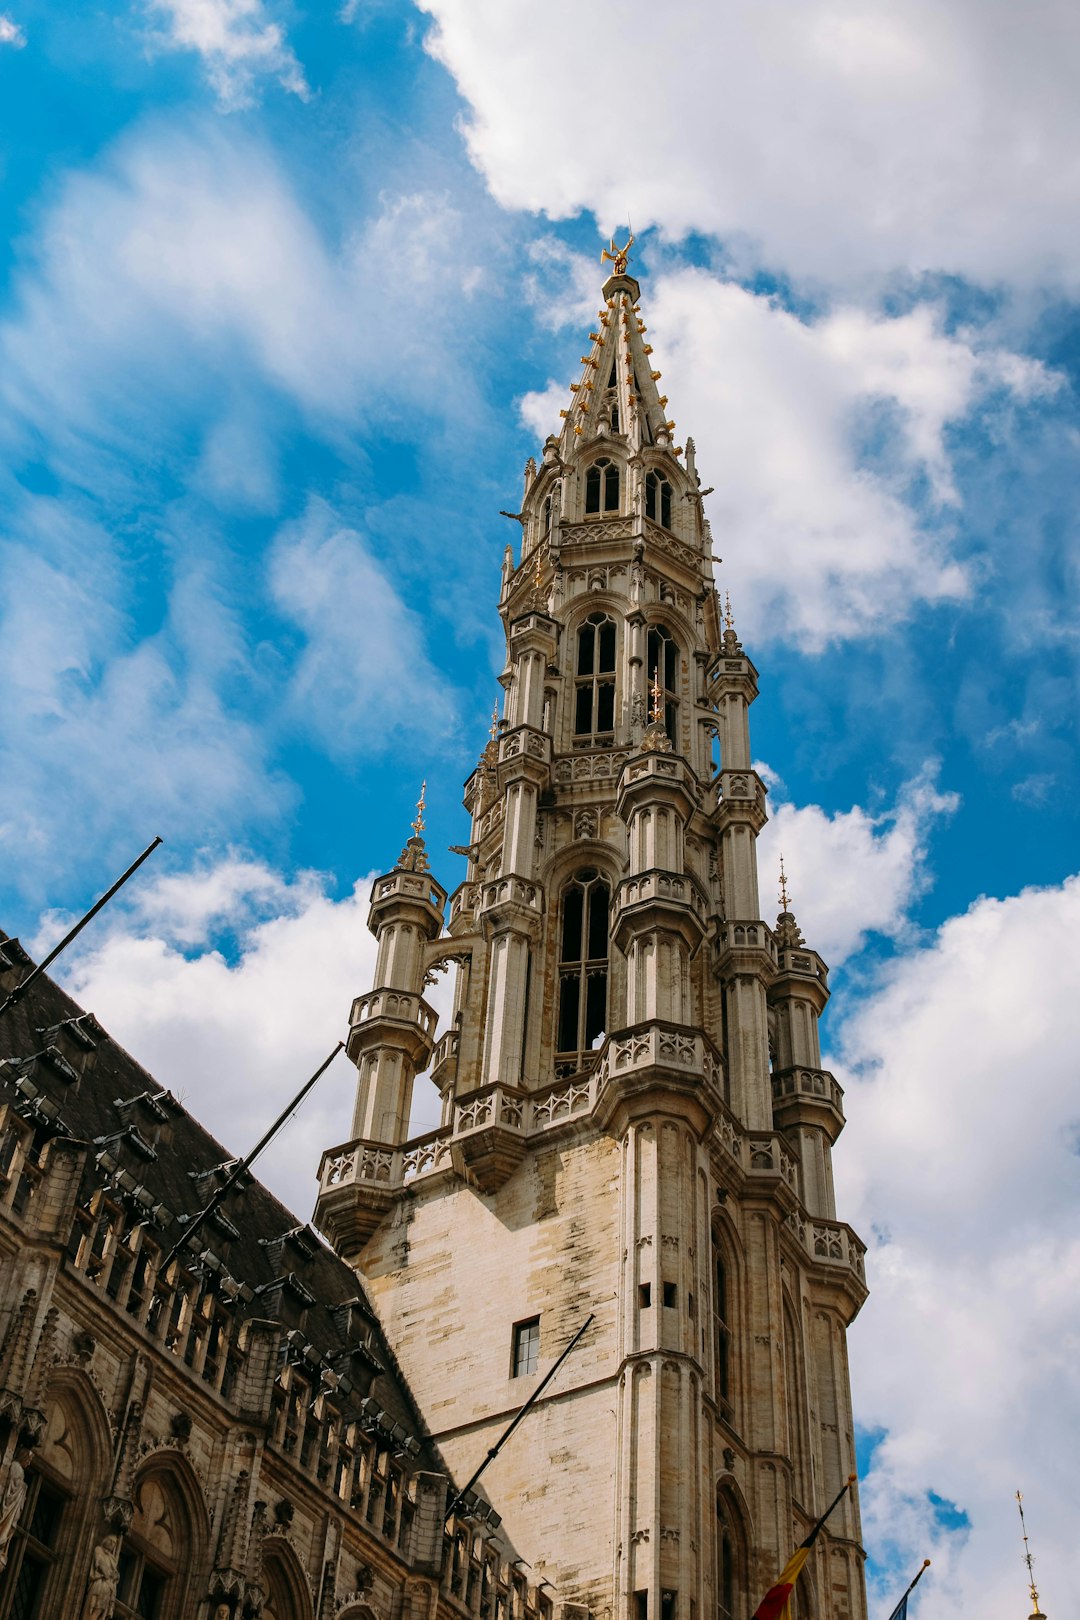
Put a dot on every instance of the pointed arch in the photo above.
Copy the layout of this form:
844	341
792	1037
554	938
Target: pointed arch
163	1560
733	1542
65	1478
288	1596
603	486
795	1402
584	926
726	1312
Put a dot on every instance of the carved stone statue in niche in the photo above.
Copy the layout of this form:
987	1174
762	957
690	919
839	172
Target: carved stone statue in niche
12	1497
104	1579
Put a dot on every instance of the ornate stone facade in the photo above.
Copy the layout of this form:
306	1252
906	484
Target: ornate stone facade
224	1437
635	1121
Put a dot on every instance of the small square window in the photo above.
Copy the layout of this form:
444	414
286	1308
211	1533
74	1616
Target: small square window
526	1348
644	1296
670	1295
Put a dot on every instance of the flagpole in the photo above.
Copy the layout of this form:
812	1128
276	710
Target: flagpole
841	1493
901	1608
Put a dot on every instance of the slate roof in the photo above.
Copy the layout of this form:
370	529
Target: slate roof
280	1266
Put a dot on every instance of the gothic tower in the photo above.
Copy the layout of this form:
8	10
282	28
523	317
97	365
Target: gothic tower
635	1121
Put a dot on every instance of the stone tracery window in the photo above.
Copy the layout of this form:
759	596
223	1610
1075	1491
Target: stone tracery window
594	680
602	487
658	499
662	666
156	1553
33	1548
583	962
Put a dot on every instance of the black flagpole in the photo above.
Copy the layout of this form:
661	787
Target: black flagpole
504	1437
845	1487
242	1166
21	989
901	1607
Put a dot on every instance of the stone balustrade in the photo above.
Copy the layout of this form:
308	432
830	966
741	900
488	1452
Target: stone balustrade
817	1083
401	1005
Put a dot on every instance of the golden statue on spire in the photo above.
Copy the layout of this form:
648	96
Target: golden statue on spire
619	257
418	824
785	900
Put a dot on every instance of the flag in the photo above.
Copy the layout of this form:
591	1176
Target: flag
776	1604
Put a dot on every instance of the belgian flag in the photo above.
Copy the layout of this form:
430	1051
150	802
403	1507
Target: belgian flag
775	1605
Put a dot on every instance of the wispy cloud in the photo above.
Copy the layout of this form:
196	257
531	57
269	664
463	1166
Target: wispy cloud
10	32
240	46
363	679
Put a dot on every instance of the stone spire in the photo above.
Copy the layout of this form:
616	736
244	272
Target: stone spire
413	857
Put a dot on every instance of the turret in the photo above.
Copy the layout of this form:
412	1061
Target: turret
807	1100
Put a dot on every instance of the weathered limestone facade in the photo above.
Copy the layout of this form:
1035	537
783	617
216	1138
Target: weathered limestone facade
635	1119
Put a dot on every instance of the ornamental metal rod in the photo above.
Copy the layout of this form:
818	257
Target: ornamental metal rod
21	989
504	1437
242	1166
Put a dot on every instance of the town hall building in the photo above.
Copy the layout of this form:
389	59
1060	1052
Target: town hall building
636	1141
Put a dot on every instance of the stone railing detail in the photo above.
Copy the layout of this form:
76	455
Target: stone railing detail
664	540
511	890
399	1004
583	534
769	1157
658	884
492	1105
600	765
807	1083
829	1242
749	935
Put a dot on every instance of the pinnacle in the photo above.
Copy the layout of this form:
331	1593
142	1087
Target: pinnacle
616	394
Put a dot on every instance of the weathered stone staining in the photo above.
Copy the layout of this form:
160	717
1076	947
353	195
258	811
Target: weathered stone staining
635	1121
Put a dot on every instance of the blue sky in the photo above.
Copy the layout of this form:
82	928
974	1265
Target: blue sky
287	296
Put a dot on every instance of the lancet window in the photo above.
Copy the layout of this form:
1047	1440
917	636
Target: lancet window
663	670
583	962
594	691
658	499
602	487
730	1573
722	1331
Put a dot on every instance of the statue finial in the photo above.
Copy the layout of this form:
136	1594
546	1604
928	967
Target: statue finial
418	823
1030	1562
729	617
494	732
619	257
656	704
785	902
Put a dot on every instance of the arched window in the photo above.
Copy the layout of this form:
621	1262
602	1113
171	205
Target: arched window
33	1549
722	1355
157	1556
731	1594
793	1402
663	668
594	693
602	487
583	962
64	1473
547	516
285	1596
658	499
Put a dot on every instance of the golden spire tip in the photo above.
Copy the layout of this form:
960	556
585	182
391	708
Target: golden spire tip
418	824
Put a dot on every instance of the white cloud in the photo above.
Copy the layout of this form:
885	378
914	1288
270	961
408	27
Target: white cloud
961	1157
852	873
238	44
363	677
11	33
827	441
821	523
237	1036
817	135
